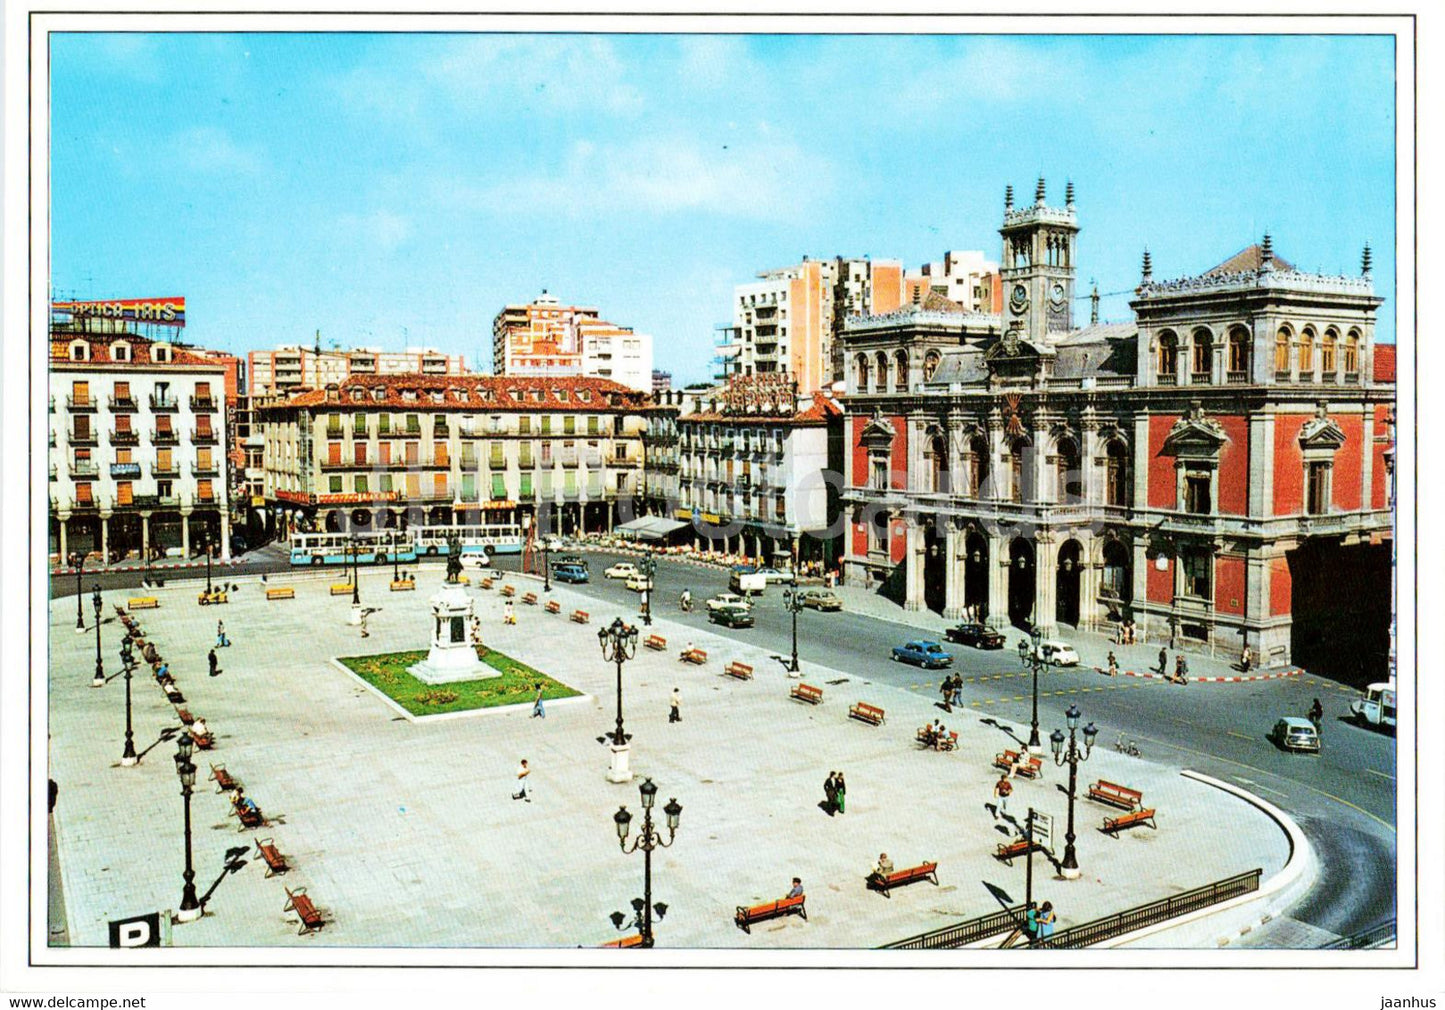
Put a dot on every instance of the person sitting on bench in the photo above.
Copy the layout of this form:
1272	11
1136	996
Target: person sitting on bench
882	868
797	889
244	803
940	736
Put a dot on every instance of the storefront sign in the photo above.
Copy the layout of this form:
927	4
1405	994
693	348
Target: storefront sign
296	496
164	311
257	501
499	503
137	931
356	499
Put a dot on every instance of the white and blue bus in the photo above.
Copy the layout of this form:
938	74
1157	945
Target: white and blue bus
494	539
378	547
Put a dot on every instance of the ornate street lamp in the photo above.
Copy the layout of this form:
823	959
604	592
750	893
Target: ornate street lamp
793	601
128	756
99	679
79	594
190	908
649	839
208	563
1073	758
546	566
1030	658
648	569
619	644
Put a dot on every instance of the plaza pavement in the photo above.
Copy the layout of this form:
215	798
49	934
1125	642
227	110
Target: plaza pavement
404	833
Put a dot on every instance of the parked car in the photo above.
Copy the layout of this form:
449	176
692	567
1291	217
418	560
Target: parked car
732	617
553	543
638	582
727	600
775	575
1051	650
748	582
977	635
1294	733
479	560
573	559
922	653
621	570
1376	707
569	573
821	599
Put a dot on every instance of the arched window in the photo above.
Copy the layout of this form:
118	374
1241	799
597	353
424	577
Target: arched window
880	380
1069	475
1282	341
1352	355
1168	365
1307	354
1116	479
1327	353
977	466
1238	355
938	465
900	371
1202	356
930	365
862	365
1019	482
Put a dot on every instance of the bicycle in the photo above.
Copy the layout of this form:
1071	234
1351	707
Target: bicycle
1131	748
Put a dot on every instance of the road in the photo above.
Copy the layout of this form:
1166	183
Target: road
1343	798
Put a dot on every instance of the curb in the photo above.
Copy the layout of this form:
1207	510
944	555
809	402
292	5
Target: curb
1209	680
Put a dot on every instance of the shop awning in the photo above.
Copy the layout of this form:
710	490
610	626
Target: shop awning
649	527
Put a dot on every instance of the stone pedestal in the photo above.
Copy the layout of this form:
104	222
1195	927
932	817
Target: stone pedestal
451	657
355	617
620	770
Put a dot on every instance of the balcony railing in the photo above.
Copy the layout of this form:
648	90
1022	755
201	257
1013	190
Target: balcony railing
167	404
52	471
168	437
205	469
204	436
90	437
1199	378
165	469
88	403
85	469
1236	378
123	404
86	505
203	403
1352	378
1281	376
125	436
1167	379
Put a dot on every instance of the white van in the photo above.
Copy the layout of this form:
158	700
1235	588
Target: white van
1377	707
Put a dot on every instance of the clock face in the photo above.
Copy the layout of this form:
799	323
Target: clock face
1057	294
1019	298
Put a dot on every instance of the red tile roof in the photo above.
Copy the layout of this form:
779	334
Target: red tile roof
1384	362
818	412
140	350
495	393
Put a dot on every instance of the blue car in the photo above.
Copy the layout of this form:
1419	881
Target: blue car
922	653
569	573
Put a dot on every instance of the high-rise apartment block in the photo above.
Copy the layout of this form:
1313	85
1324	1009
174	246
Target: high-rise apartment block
546	339
291	367
968	278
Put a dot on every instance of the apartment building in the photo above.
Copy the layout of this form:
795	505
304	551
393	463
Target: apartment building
546	338
290	367
969	279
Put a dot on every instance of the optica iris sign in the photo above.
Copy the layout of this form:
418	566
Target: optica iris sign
162	311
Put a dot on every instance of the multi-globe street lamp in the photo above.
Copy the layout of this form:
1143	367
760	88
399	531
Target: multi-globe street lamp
793	601
546	566
648	840
190	908
619	644
1030	658
648	569
1073	758
99	679
128	756
79	593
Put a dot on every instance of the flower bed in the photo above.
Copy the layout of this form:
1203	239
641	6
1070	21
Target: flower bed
517	685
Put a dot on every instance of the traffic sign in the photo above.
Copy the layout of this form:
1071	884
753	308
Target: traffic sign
1043	830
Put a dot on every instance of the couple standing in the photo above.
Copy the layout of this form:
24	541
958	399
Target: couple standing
835	792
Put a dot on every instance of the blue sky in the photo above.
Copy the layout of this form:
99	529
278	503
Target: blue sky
399	189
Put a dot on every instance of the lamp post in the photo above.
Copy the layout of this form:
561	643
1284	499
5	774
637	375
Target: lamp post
1030	658
1073	757
208	563
128	756
649	839
353	549
546	567
793	601
79	592
190	908
619	644
99	679
649	572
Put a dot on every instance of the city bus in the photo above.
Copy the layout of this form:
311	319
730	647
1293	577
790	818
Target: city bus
494	539
334	548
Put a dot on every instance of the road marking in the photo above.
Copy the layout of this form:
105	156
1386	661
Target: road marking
1239	735
1371	771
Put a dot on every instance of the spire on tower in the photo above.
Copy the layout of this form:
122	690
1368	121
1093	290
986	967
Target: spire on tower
1266	253
1039	192
1069	193
1366	260
1008	198
1148	265
1094	305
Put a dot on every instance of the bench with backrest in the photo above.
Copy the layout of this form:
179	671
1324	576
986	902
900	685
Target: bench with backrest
184	715
1113	825
341	589
746	916
275	861
866	712
924	871
402	585
486	583
530	598
301	904
742	671
695	656
281	593
581	616
509	591
807	692
143	603
250	817
202	741
1009	851
224	780
1116	795
214	596
635	940
1012	760
553	607
655	642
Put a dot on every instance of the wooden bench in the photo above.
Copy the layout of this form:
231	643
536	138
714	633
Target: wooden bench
486	583
341	589
509	592
202	741
275	862
1115	795
655	642
298	902
635	940
214	596
185	716
1008	852
1113	825
580	616
224	780
249	818
402	585
530	599
1010	761
281	593
745	916
552	607
741	671
924	871
697	657
807	692
866	712
142	603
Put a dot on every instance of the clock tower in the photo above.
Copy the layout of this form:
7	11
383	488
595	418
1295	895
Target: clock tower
1038	266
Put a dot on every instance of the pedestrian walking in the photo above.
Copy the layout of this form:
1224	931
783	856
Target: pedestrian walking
1002	789
1113	664
211	658
221	640
1180	668
1317	714
1031	921
508	616
538	712
830	794
1163	662
1245	658
522	772
1047	918
840	793
675	703
946	689
364	632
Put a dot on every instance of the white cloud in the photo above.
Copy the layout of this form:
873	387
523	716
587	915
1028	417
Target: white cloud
210	149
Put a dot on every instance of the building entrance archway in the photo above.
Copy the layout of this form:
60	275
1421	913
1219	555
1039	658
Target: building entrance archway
935	568
1066	584
1020	583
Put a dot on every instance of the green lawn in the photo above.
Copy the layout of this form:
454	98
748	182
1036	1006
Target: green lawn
517	685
